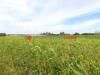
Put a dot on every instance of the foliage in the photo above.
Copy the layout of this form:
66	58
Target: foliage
3	34
62	33
76	33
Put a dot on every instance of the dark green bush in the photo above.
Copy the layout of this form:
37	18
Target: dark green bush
3	34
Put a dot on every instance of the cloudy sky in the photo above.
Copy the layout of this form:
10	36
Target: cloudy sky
35	16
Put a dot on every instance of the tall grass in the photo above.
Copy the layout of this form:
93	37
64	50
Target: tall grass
49	56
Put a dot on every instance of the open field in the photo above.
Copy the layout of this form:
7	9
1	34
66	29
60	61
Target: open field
50	56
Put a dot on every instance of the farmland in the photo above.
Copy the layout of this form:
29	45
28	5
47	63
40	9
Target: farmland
50	56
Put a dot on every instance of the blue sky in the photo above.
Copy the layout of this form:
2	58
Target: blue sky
36	16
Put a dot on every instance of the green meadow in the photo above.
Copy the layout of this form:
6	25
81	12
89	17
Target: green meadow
46	55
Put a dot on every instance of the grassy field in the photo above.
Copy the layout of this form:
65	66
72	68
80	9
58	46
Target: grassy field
50	56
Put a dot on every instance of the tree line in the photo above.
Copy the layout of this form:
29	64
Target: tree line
61	33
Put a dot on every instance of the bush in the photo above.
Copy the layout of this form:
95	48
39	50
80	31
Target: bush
3	34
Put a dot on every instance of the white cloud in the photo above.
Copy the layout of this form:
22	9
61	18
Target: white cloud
88	24
36	28
47	17
50	16
20	6
5	17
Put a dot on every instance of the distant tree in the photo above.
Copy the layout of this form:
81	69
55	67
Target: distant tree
76	33
47	33
62	33
3	34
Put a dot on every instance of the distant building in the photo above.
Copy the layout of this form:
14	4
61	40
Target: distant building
97	32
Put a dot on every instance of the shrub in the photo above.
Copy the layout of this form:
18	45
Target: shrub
3	34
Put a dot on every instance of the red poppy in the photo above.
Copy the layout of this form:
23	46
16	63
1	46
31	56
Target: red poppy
29	37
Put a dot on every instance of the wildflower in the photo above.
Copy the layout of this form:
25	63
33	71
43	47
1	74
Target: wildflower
29	37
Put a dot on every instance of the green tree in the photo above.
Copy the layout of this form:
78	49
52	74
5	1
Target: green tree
62	33
76	33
